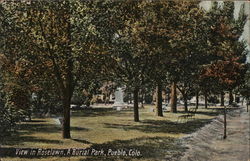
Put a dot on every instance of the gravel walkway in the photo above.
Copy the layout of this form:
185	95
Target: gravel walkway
208	144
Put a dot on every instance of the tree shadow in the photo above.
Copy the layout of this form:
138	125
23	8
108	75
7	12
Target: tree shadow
208	113
94	112
163	126
155	148
18	139
73	128
211	111
38	127
45	128
82	141
34	121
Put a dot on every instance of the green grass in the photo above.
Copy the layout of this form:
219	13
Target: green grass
155	137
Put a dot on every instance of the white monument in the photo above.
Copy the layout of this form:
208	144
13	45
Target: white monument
118	104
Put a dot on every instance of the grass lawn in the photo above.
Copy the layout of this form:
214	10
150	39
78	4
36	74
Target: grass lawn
104	128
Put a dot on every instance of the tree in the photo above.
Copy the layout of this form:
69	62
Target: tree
64	38
14	77
15	68
229	67
165	41
130	53
245	88
153	35
188	43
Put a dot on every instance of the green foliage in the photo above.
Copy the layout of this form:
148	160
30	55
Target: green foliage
6	121
42	50
9	116
64	51
244	89
228	69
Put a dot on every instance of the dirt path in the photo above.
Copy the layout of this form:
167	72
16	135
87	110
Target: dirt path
208	144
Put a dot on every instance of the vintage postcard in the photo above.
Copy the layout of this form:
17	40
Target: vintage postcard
124	80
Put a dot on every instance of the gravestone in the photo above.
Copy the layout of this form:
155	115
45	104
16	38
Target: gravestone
58	121
118	104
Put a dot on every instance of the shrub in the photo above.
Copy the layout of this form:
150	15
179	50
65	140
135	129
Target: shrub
8	119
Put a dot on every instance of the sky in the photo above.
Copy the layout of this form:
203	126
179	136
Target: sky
246	34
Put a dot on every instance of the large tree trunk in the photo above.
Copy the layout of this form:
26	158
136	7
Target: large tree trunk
222	98
66	117
136	107
159	100
185	103
205	95
197	99
69	82
173	99
231	97
67	93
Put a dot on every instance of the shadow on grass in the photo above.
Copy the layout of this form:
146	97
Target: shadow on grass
17	139
78	129
215	111
163	126
155	148
166	126
82	141
45	128
34	121
208	113
144	148
95	112
36	127
28	128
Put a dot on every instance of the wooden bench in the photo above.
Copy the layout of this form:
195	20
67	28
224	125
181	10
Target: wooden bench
190	115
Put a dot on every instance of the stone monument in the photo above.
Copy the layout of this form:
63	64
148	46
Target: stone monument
118	104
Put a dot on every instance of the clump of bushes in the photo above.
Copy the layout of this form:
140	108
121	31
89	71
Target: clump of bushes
8	119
